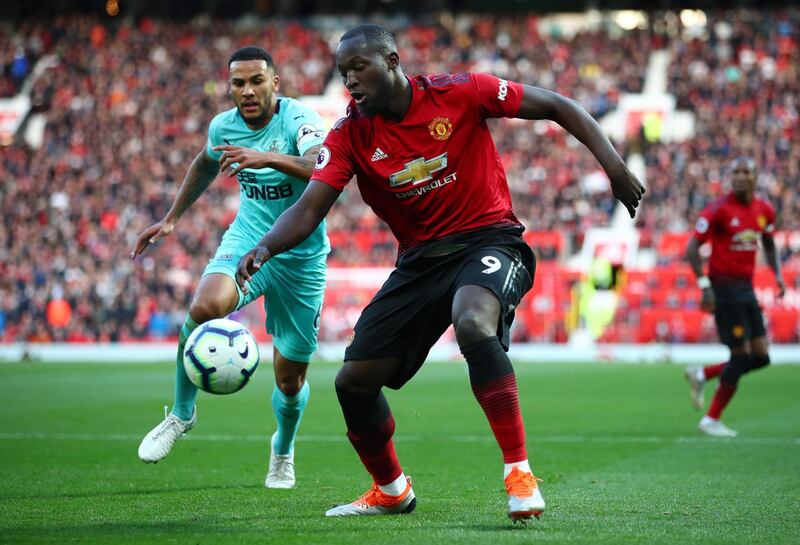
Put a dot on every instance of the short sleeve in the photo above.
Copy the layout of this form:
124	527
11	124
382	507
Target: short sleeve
497	97
335	162
705	223
304	126
213	139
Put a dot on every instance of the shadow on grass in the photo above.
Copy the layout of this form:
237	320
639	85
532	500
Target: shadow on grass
532	526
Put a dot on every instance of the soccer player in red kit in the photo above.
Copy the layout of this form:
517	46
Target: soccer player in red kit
426	164
733	224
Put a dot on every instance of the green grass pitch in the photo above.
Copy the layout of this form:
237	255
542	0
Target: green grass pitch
616	446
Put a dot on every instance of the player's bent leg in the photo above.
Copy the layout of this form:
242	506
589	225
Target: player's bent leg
742	362
494	386
476	314
370	428
289	400
293	292
216	296
710	424
185	391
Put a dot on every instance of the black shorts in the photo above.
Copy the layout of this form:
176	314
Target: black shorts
737	313
414	307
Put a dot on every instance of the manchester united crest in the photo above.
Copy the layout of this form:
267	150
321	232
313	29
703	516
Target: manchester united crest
762	221
440	128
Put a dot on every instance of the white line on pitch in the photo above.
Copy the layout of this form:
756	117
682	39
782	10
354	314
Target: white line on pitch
415	438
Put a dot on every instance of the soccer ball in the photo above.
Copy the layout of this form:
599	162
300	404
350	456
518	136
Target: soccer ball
220	356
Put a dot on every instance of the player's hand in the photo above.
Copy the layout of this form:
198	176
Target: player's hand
627	189
707	301
781	288
250	264
151	235
246	157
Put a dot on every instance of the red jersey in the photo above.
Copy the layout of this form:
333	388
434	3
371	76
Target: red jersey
437	171
734	229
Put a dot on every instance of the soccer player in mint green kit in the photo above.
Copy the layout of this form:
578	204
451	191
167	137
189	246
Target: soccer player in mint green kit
271	145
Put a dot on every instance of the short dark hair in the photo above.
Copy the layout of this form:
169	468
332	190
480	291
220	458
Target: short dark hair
378	37
252	53
749	162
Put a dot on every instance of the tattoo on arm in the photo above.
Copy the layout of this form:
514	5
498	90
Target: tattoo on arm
201	173
306	161
301	167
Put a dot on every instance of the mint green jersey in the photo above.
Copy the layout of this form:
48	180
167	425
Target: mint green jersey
265	193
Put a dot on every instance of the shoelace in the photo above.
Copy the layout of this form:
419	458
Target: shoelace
167	424
521	484
282	468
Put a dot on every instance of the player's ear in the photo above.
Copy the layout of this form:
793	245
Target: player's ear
392	60
276	82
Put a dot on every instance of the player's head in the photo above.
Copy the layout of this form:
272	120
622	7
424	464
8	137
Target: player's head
368	62
253	84
743	177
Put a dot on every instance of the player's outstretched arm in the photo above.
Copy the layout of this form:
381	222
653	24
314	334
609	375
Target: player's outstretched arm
290	229
772	259
299	167
201	173
540	103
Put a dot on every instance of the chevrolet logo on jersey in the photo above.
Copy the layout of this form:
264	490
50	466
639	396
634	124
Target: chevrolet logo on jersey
418	171
748	236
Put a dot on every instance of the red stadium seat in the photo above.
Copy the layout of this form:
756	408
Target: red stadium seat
783	325
548	244
672	246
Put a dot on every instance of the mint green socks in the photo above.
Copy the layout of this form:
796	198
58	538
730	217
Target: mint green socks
185	391
288	412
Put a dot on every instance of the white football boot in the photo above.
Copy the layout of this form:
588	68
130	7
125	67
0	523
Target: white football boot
524	499
715	428
281	468
697	386
157	444
376	502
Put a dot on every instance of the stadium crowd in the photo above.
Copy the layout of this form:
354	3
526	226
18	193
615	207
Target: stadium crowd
741	81
127	107
19	50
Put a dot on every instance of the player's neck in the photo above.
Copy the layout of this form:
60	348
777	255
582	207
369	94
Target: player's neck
401	100
744	198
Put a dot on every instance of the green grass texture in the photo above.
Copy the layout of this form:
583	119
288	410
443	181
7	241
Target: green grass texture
616	446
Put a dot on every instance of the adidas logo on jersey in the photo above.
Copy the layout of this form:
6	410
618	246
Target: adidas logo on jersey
378	155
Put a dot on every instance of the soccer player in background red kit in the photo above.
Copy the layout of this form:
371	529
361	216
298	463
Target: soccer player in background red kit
733	225
426	163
